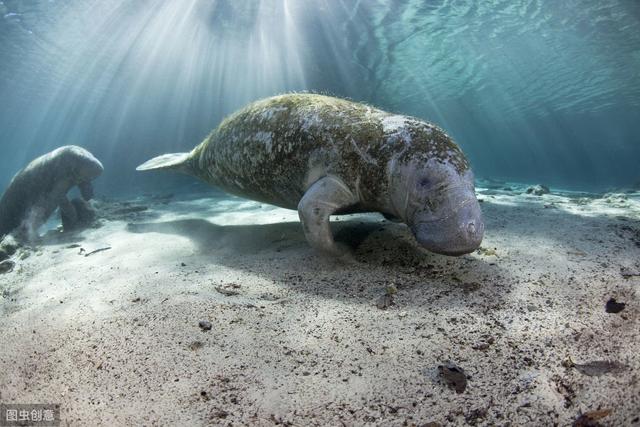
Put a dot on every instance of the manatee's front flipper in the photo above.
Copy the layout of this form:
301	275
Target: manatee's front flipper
327	196
68	214
391	218
86	190
85	212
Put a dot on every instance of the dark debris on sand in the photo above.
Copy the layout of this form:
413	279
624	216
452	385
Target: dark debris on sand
613	306
538	190
599	367
453	377
205	325
6	266
8	247
590	419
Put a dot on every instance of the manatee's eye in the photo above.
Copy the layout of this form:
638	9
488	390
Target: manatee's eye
424	182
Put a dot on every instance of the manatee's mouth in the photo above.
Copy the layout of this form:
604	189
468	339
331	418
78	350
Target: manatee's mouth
454	253
458	233
454	243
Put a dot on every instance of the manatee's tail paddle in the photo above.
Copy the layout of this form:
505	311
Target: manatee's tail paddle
178	162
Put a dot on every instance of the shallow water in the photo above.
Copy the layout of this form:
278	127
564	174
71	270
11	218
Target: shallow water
543	318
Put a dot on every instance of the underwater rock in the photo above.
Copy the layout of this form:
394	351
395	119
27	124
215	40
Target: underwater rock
281	151
616	200
8	246
37	190
205	325
538	190
6	266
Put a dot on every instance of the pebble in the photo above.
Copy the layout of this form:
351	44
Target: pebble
614	306
538	190
205	325
6	266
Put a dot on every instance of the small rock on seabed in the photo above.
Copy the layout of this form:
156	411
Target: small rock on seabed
538	190
6	266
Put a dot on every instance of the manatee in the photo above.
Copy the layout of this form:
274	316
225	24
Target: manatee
36	191
324	156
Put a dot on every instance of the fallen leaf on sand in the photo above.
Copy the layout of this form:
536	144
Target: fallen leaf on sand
589	419
598	367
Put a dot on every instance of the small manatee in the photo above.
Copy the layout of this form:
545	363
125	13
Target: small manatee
42	186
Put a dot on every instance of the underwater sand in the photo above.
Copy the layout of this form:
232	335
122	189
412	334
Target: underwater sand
297	339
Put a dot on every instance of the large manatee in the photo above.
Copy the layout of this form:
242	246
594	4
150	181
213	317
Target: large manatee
42	186
323	155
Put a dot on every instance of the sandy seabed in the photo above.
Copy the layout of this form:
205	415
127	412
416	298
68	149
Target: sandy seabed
112	323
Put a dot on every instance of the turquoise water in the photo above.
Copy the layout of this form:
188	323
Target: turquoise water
532	90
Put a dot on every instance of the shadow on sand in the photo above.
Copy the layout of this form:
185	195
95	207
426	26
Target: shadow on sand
255	238
383	253
386	252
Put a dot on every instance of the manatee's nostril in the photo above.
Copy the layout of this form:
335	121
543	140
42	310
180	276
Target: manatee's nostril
471	228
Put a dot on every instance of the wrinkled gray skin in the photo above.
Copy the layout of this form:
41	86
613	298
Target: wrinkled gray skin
323	156
37	190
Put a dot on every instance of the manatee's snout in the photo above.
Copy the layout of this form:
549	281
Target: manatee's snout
85	166
80	168
91	168
457	233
